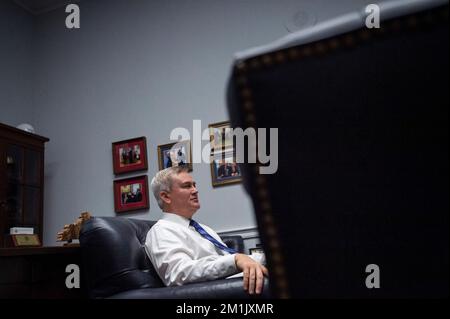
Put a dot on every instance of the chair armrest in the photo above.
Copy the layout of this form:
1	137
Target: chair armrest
215	289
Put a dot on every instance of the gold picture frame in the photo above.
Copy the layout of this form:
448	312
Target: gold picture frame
219	137
224	169
175	154
26	240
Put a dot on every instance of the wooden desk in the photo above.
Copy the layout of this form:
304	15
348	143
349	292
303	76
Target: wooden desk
38	272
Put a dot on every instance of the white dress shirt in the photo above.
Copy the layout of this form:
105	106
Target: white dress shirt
181	255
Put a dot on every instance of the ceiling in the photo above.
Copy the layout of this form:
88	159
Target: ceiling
38	7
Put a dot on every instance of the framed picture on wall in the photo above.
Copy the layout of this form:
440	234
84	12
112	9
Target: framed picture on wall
224	169
175	154
220	136
129	155
131	194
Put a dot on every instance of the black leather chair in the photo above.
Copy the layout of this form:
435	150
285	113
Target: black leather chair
115	265
362	118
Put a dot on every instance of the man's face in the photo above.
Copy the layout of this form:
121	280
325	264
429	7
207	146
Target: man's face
183	195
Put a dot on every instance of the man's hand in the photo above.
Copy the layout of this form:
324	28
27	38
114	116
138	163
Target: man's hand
254	273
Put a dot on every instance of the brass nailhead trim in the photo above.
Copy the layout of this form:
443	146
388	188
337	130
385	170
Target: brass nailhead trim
282	286
293	53
284	295
276	257
254	64
262	193
307	51
349	40
274	244
271	232
241	66
333	44
246	93
279	57
267	218
267	59
248	106
265	205
364	34
320	48
260	181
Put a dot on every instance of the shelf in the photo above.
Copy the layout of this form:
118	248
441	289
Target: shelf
27	251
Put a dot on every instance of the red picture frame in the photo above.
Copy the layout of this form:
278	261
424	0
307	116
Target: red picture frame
131	194
129	155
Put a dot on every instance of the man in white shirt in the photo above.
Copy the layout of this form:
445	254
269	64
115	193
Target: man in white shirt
184	251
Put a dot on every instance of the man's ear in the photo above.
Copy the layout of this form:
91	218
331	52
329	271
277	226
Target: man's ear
165	196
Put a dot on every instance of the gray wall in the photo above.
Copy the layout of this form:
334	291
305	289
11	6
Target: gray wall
16	71
142	68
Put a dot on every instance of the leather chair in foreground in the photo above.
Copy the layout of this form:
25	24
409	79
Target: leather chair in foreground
115	264
359	204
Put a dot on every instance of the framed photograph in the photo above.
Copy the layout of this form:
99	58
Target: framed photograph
23	240
175	154
224	169
129	155
220	138
131	194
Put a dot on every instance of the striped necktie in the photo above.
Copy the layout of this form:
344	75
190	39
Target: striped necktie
205	234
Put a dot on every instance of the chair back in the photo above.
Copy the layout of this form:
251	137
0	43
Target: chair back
114	256
360	197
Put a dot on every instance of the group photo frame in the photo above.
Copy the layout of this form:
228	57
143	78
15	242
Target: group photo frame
220	136
131	194
175	154
129	155
224	168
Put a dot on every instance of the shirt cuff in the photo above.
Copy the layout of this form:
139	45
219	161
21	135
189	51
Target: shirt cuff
229	263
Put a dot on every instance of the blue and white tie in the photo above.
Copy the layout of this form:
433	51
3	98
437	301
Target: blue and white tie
205	234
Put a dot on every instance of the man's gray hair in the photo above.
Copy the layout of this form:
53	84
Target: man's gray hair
163	181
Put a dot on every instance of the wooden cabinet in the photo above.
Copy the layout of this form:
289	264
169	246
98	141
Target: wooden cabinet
38	272
21	181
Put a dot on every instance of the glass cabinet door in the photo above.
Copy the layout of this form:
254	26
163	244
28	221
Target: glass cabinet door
21	192
31	207
14	163
32	168
21	182
14	209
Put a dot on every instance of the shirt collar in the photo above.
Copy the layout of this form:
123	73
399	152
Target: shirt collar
174	218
